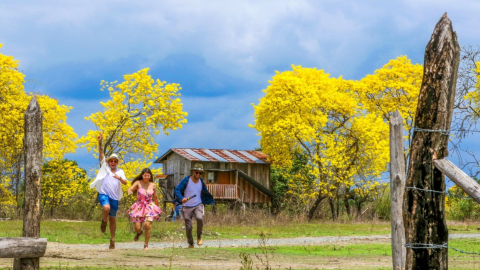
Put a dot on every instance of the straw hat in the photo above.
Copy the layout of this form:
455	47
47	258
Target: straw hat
113	156
197	167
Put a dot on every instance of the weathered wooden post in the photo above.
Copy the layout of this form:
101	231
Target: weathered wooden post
425	225
33	147
397	189
467	184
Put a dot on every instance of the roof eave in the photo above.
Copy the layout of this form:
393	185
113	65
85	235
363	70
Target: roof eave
164	156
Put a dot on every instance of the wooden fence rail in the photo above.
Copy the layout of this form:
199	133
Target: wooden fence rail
226	192
470	186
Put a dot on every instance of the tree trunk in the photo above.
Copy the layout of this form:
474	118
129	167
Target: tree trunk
17	182
315	205
359	207
424	211
33	147
347	205
338	206
332	208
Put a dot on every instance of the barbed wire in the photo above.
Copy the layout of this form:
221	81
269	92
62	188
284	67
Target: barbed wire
443	131
422	246
427	190
444	245
462	251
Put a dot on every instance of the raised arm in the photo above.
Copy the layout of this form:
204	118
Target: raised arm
101	154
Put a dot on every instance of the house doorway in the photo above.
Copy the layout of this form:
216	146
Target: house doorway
224	178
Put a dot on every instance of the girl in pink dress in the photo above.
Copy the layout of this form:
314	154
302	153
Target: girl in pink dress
144	210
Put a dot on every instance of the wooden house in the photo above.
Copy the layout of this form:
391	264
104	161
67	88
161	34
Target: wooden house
230	175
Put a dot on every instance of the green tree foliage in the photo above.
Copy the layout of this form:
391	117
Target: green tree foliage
64	184
460	206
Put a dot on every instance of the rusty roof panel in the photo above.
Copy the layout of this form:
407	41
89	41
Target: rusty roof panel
185	154
215	156
219	155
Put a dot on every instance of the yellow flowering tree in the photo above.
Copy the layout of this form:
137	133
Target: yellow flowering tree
7	202
306	110
62	182
395	86
139	108
58	136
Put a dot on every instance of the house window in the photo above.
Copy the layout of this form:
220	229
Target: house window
211	177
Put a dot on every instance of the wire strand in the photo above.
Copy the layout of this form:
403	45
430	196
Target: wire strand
427	190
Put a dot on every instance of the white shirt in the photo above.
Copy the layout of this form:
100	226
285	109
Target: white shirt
100	182
193	189
110	187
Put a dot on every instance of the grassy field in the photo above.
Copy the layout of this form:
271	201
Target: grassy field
88	232
369	256
344	255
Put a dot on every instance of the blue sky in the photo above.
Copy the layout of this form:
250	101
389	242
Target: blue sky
222	53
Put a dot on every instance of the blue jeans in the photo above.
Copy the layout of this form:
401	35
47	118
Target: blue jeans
176	213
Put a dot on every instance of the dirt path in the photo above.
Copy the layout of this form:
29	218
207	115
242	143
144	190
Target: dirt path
161	255
300	241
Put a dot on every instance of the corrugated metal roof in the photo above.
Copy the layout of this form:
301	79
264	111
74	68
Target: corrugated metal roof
218	155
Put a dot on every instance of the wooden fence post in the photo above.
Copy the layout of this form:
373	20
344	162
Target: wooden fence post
424	210
397	189
32	147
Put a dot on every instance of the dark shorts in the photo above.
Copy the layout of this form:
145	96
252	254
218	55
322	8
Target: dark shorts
105	200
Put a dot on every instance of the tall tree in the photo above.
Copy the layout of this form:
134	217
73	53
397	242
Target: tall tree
58	136
61	180
139	108
305	110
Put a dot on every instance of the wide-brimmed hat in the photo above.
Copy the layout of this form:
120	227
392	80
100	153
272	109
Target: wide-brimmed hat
113	156
197	167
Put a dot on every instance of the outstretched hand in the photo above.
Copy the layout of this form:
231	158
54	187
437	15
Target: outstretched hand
100	137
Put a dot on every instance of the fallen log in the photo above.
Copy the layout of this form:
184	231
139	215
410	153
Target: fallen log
22	247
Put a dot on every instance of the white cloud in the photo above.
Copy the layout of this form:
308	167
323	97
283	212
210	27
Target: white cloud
247	40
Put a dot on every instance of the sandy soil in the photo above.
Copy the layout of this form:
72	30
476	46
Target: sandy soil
178	256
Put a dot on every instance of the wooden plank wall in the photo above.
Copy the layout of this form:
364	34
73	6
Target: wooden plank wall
180	167
259	172
252	195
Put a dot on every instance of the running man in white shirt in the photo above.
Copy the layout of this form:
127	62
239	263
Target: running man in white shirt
109	183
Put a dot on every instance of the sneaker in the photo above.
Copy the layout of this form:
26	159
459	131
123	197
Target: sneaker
103	226
112	244
199	241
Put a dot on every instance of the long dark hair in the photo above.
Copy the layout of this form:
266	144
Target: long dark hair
140	176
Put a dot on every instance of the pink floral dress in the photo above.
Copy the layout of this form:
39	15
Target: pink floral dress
144	209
